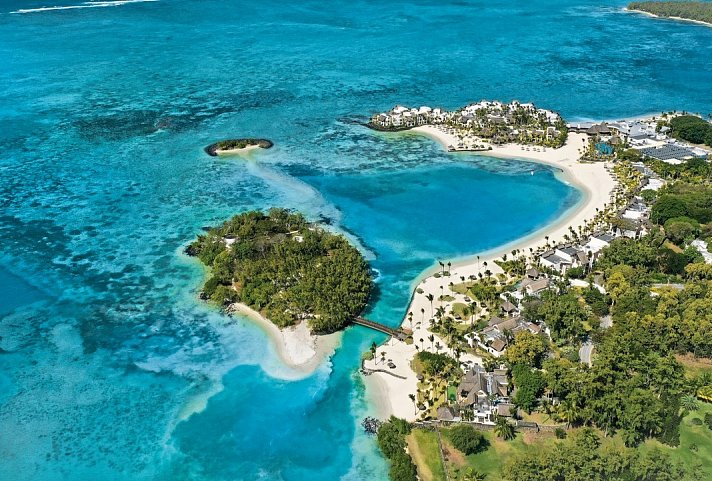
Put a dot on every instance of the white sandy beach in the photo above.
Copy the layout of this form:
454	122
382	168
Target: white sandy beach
390	394
679	19
296	347
243	150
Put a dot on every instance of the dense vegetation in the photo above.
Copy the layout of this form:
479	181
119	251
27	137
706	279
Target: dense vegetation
633	410
234	144
581	457
700	11
279	265
690	127
434	363
391	441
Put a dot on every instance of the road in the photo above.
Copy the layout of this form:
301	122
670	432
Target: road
585	352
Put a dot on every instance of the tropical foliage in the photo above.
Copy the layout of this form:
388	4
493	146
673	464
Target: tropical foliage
467	439
391	441
288	270
700	11
581	457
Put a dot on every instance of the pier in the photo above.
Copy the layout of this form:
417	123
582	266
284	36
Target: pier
396	333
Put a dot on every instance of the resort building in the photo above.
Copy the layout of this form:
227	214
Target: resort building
673	153
494	337
496	121
482	392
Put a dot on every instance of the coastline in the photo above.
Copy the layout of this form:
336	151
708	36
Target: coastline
237	151
563	159
296	346
679	19
388	394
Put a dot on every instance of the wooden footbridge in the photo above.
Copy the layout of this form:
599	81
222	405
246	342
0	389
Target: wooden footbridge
397	333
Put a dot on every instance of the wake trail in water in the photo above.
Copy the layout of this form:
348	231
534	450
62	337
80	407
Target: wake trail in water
115	3
302	193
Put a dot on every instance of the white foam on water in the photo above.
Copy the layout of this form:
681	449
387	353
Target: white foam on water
115	3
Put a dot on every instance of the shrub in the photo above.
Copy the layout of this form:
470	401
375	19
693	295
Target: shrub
670	433
560	433
696	421
575	272
708	420
680	229
467	439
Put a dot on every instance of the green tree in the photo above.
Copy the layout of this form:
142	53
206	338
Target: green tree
668	207
527	349
467	439
504	429
681	229
530	385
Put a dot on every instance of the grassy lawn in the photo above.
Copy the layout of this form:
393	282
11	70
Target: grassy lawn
690	434
490	462
694	366
423	446
458	309
462	288
540	418
424	449
672	246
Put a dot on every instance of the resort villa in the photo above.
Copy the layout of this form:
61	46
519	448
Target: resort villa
494	121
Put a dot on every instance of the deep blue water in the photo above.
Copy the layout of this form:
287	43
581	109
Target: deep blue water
104	348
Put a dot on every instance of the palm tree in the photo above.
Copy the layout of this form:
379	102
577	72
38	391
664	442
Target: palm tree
383	357
449	266
422	312
472	475
569	412
689	403
431	298
415	406
373	349
431	338
473	310
503	428
421	344
442	267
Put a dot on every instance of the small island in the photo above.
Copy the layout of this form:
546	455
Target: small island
700	12
288	270
236	146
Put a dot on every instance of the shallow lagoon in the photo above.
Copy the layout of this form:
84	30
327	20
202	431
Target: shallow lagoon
104	113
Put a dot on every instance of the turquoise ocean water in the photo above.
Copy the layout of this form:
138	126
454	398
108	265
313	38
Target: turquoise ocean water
105	351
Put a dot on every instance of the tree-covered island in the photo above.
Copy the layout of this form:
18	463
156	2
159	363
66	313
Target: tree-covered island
696	11
236	145
286	268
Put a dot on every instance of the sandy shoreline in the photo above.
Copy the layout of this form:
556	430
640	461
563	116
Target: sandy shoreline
679	19
296	347
389	394
237	151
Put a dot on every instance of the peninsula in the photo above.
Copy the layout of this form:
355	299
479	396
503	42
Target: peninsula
479	126
280	270
236	146
535	341
698	12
